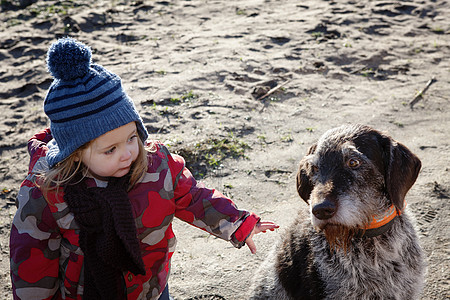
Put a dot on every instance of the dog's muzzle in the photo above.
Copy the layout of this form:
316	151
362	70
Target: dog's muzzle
324	210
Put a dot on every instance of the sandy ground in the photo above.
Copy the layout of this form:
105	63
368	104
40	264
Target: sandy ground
198	70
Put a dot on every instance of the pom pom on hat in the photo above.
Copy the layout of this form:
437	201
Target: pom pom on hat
68	59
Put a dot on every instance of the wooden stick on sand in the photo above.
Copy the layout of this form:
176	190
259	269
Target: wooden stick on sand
270	92
420	93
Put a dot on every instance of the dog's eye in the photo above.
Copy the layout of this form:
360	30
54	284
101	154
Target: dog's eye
353	163
314	168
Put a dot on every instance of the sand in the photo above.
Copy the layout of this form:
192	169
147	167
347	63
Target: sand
198	72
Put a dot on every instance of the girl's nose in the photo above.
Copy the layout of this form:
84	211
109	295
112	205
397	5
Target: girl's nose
126	154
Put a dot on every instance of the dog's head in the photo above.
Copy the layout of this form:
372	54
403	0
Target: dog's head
353	173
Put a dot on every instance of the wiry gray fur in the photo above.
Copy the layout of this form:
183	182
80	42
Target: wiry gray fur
390	266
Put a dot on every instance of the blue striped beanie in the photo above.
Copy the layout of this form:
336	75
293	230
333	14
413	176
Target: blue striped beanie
84	101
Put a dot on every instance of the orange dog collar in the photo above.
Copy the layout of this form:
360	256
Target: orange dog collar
381	223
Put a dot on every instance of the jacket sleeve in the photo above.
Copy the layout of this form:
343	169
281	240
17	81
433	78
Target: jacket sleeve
34	239
37	147
207	208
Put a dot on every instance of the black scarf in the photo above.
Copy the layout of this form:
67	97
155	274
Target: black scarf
107	236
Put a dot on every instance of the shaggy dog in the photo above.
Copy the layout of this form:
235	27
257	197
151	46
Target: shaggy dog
362	243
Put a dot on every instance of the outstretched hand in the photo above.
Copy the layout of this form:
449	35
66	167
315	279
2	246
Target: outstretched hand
259	227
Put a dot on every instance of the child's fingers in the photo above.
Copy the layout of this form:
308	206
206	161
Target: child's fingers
251	245
260	227
264	226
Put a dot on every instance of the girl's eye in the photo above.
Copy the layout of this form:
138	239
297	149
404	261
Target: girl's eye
110	151
353	163
132	138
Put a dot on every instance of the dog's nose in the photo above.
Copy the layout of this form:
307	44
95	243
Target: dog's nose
324	210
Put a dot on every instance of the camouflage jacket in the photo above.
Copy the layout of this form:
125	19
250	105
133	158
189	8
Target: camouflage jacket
46	261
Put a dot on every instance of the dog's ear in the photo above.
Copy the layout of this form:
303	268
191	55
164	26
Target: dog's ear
304	185
402	169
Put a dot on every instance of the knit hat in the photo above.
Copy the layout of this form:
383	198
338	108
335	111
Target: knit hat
84	101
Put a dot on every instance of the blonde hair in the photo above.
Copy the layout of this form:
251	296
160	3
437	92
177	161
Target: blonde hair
64	172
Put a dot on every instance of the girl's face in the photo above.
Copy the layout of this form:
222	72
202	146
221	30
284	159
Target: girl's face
111	154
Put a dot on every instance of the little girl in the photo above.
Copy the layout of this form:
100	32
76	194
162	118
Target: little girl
94	218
